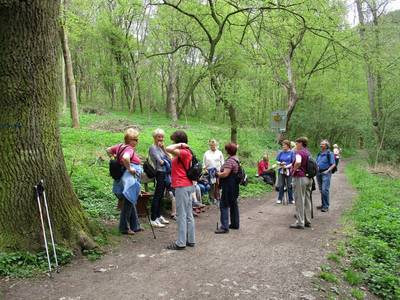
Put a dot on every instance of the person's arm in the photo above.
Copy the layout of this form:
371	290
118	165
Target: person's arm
204	161
297	163
221	158
174	148
126	161
333	165
155	156
225	173
109	151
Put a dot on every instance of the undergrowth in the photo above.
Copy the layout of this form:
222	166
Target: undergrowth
374	245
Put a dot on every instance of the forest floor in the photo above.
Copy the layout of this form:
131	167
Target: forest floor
263	260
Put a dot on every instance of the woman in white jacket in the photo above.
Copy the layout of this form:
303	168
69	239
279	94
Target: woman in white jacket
212	161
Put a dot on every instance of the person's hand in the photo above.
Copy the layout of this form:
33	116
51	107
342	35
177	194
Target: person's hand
160	144
132	171
161	162
325	172
184	145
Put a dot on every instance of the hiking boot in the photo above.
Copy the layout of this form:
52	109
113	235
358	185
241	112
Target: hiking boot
296	226
319	207
324	209
307	225
162	220
156	223
190	244
221	231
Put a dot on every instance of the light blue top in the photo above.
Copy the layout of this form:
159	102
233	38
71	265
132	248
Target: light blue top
129	185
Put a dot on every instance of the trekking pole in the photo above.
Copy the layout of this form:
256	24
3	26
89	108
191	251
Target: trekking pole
50	227
312	206
39	190
148	218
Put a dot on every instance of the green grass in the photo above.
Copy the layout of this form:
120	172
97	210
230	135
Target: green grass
328	276
87	163
333	257
353	278
374	247
357	294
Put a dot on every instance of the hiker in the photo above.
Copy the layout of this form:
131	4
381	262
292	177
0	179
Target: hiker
302	185
127	189
213	160
268	175
162	164
230	191
326	163
336	154
284	159
181	162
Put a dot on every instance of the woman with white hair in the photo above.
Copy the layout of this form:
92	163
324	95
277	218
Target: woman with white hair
162	164
213	160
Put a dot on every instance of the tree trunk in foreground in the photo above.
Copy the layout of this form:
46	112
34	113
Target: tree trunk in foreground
30	140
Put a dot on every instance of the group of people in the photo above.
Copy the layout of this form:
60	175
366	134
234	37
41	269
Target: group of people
220	180
292	164
171	164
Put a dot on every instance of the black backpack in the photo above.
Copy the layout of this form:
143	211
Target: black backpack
195	169
241	174
116	169
311	167
149	169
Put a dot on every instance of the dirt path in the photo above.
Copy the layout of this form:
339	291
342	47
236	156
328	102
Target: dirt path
263	260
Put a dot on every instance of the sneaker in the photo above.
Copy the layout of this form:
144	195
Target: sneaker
324	209
296	226
162	220
221	231
278	201
157	224
174	246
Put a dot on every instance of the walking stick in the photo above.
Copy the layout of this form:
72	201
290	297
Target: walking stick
148	218
39	190
49	224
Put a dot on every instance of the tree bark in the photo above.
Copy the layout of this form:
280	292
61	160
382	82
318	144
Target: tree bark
172	90
30	148
69	72
64	86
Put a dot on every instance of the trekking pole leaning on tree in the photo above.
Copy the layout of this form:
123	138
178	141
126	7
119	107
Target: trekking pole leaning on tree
40	191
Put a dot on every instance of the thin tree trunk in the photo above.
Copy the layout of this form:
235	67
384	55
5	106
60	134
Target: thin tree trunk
70	73
64	87
291	92
30	147
172	91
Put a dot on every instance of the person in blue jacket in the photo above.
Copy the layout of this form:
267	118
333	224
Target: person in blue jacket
285	159
326	163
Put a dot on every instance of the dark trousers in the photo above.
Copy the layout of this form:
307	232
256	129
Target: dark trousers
233	211
128	218
158	196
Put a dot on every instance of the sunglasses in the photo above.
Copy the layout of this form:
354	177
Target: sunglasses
135	140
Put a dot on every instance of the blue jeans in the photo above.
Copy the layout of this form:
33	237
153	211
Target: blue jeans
128	219
324	184
281	180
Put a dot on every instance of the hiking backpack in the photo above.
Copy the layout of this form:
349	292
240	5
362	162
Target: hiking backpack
195	168
311	167
149	169
241	174
116	169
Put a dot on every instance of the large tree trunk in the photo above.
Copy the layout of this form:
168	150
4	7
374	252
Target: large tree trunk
30	147
70	73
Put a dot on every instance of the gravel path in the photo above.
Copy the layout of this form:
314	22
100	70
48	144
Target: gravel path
263	260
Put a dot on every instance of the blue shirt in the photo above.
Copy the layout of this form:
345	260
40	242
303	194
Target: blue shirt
285	156
325	160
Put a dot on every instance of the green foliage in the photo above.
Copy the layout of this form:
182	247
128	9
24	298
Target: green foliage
334	257
328	276
375	246
357	294
93	254
354	278
27	264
